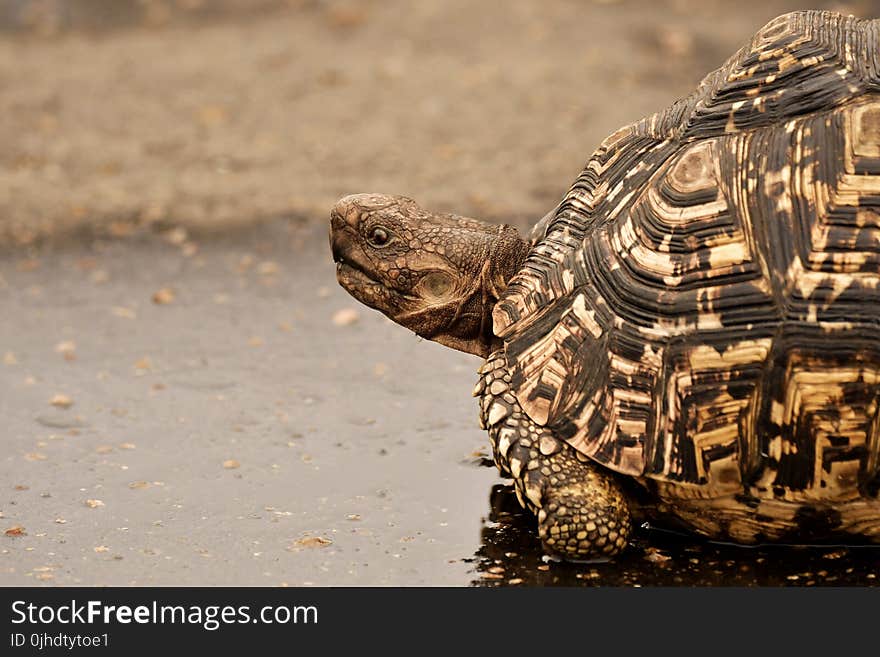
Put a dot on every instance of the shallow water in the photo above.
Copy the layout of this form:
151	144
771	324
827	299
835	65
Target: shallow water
511	553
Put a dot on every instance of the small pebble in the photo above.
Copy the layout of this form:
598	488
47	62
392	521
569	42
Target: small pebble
176	236
125	313
346	317
164	296
143	364
61	401
310	542
268	268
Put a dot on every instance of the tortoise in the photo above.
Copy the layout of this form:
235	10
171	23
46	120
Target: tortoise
693	333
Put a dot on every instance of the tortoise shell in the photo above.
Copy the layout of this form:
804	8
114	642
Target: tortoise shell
703	307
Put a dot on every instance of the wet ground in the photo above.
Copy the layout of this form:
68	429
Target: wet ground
220	413
510	554
186	411
187	396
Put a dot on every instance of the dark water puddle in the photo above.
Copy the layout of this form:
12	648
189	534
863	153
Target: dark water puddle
511	555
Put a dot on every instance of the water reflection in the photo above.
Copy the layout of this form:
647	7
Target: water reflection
511	555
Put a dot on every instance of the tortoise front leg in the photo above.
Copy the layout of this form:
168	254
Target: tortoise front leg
582	512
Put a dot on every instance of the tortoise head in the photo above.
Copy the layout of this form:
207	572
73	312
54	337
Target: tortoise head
438	275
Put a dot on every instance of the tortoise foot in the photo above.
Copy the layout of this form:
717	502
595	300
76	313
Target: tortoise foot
584	515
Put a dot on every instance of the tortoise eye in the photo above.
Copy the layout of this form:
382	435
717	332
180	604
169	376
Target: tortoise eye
379	236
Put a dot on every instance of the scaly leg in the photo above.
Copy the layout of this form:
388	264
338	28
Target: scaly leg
582	512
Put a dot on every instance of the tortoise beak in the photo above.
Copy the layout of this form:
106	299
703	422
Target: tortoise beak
344	240
336	245
339	227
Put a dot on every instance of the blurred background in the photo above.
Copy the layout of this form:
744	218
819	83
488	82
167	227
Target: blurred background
209	113
187	396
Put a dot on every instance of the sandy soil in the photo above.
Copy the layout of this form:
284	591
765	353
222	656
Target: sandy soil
187	395
211	114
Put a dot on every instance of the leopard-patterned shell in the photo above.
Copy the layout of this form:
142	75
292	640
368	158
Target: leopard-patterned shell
703	308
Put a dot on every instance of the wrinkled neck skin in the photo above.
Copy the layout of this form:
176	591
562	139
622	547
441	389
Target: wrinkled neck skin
464	322
438	275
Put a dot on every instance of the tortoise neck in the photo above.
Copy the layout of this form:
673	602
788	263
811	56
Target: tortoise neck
466	323
507	253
